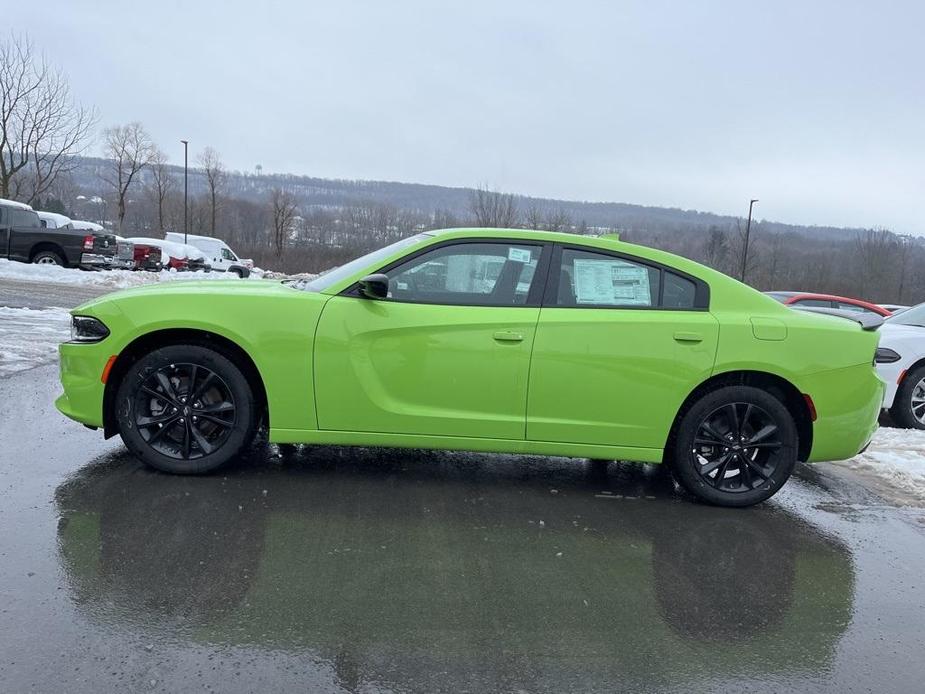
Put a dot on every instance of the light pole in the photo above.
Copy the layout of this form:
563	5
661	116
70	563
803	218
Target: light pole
748	228
186	189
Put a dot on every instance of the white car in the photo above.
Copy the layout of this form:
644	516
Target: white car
901	364
218	254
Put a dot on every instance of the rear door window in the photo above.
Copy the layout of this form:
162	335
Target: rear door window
594	279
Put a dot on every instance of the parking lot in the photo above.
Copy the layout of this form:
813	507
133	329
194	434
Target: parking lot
335	569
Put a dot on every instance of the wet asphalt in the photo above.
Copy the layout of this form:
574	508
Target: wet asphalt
37	295
365	570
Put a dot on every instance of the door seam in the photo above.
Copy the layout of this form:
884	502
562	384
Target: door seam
536	330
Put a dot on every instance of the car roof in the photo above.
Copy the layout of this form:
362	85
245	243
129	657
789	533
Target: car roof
832	297
163	243
13	203
194	237
822	295
608	242
59	219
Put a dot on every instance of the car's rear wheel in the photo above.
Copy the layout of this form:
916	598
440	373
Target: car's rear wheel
908	410
735	446
185	409
47	258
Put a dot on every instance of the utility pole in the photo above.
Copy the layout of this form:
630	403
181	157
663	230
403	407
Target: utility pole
186	189
748	228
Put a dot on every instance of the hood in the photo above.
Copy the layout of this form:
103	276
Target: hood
175	288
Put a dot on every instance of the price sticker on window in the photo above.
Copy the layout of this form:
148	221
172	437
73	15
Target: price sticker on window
518	255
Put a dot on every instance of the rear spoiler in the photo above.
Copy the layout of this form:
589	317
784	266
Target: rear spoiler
867	321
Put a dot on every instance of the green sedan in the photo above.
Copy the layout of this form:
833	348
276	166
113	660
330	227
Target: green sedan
491	340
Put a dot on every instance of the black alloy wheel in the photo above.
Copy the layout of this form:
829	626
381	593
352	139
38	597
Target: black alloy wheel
735	447
184	411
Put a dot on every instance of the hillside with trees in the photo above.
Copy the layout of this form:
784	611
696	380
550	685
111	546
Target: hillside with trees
299	223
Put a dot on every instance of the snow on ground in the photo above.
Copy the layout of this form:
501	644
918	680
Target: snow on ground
30	337
112	279
897	456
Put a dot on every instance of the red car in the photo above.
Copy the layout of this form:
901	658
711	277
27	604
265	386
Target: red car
147	257
812	300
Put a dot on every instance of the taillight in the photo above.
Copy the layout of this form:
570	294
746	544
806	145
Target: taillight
88	243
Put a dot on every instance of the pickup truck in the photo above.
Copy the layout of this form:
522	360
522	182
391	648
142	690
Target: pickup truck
23	237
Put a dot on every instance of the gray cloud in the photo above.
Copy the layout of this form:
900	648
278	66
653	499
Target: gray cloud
816	108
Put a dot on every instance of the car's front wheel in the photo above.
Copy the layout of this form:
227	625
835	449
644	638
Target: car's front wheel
186	409
735	446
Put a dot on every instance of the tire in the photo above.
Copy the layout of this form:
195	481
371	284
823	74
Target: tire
911	388
750	474
185	409
48	258
240	272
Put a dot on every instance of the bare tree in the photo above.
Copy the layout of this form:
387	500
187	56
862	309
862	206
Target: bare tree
131	150
560	221
493	209
283	213
41	126
214	169
716	248
876	249
533	218
162	184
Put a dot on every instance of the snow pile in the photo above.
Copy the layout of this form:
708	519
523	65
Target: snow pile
54	274
108	279
897	456
30	337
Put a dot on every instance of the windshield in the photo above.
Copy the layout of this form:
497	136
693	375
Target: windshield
335	275
912	316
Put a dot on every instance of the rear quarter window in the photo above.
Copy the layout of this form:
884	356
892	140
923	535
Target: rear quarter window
679	292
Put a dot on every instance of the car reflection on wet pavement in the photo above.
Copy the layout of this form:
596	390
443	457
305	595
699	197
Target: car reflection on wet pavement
387	570
428	564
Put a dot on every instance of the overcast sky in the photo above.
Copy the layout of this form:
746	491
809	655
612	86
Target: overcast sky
817	108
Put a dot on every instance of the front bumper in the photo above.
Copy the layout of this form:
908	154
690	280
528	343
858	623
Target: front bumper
81	366
890	374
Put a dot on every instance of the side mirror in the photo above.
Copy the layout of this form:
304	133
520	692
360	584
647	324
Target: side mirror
374	286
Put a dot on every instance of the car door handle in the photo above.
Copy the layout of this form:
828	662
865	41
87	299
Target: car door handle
688	337
508	336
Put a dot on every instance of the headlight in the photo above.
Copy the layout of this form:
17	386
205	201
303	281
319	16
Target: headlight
87	329
885	355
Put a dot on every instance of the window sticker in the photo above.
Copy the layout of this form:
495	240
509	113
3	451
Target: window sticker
518	255
611	282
